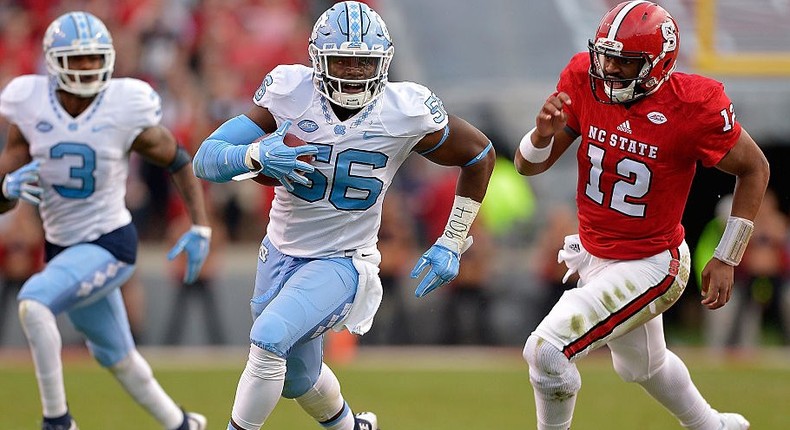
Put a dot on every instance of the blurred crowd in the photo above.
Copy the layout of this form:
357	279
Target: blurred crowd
206	58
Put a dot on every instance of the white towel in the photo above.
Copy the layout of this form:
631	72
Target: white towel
573	255
369	292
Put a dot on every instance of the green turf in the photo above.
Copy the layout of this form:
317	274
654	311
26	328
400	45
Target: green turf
412	392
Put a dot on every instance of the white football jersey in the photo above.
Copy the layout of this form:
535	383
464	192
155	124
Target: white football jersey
340	210
84	160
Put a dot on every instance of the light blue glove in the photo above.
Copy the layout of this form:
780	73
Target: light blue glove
196	243
444	265
444	259
21	184
279	160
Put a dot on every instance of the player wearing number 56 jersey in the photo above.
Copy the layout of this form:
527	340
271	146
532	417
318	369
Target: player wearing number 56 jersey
642	129
318	264
69	140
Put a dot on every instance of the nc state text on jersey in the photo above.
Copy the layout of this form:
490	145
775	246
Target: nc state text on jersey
624	143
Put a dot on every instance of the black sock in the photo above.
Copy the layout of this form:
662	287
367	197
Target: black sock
63	420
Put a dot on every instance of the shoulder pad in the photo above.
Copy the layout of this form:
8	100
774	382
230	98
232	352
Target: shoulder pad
287	91
410	109
284	79
18	91
142	106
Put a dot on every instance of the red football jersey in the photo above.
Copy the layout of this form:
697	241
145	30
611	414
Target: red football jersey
636	162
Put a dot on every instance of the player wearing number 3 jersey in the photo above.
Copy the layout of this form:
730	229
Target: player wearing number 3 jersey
318	264
69	141
641	130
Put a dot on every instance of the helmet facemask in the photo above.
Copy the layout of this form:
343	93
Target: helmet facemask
83	83
618	89
344	91
351	51
77	34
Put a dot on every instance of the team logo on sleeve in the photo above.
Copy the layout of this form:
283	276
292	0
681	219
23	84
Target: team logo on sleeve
308	126
656	117
262	89
263	253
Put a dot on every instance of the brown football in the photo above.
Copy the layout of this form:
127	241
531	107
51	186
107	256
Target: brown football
292	141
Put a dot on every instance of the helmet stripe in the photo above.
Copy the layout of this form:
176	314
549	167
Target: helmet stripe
621	16
354	22
81	25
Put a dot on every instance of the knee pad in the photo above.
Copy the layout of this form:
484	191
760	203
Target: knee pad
263	364
133	370
40	327
549	370
36	318
323	400
270	334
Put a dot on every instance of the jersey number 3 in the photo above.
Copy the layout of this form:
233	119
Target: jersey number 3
83	172
634	185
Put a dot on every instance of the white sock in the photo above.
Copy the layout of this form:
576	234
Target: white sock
344	421
555	382
137	378
671	385
324	401
43	336
259	389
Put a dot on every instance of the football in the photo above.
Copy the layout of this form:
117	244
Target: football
292	141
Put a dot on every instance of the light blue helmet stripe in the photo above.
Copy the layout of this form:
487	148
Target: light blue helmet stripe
81	25
354	22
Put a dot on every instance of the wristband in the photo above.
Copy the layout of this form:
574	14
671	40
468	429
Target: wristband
734	240
202	230
454	236
532	153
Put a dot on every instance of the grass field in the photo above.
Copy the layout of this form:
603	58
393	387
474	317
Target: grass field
409	389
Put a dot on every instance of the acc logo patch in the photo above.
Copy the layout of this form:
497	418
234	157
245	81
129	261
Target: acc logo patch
308	126
44	126
656	117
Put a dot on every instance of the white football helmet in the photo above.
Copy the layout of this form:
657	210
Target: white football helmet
350	29
76	34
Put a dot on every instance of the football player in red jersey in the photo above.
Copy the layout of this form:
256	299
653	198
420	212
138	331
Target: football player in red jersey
642	129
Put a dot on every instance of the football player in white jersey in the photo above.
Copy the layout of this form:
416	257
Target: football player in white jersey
318	264
69	140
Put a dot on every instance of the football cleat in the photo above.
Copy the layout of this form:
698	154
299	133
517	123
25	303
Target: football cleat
366	421
49	426
730	421
196	421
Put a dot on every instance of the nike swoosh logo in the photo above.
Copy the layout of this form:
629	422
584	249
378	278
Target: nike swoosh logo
365	255
100	127
368	135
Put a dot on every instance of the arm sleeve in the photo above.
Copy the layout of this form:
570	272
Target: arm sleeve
221	156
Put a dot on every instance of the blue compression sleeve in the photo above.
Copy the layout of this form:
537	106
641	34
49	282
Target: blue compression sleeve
221	156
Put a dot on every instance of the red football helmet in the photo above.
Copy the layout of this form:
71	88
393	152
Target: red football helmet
633	30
